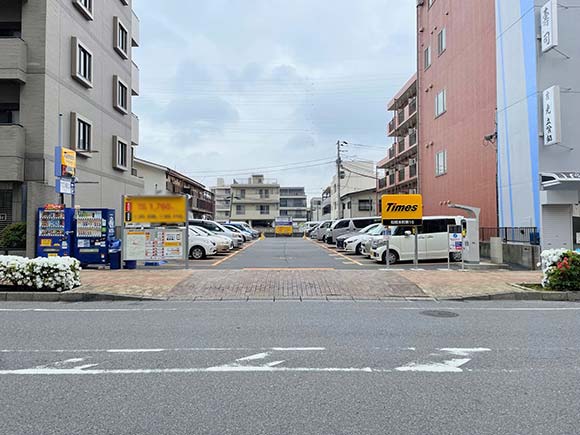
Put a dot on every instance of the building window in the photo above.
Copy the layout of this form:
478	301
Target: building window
441	163
82	63
442	41
120	153
440	103
240	209
9	113
81	133
121	38
365	204
427	57
242	193
264	209
120	95
85	7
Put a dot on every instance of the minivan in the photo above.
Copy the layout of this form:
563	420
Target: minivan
219	229
349	225
319	232
433	241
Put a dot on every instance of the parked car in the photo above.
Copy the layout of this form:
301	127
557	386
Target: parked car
369	238
223	243
319	233
306	227
200	246
433	241
349	225
357	235
245	227
219	229
245	234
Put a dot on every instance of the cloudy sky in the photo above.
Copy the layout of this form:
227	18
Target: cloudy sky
234	87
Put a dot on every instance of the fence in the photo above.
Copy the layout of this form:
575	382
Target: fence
529	235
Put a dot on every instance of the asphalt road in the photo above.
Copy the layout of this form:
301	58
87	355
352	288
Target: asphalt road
299	253
290	368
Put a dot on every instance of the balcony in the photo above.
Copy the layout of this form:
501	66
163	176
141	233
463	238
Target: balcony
401	145
135	30
412	108
202	205
413	138
392	126
12	148
13	62
134	79
401	175
134	129
401	116
383	183
412	171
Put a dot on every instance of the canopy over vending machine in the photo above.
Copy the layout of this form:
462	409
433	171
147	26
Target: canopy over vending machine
55	231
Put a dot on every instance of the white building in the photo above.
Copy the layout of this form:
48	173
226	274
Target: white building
356	176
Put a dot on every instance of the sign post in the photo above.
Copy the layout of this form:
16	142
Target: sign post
455	242
404	210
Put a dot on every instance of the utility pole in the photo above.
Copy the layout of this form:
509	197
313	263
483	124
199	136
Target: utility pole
338	171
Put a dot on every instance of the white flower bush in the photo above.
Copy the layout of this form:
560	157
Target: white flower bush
55	273
550	259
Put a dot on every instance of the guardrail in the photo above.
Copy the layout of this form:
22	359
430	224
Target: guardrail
529	235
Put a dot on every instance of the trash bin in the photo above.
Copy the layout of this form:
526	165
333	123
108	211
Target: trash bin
130	264
115	255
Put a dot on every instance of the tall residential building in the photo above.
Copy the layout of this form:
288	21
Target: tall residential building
315	213
356	176
72	58
400	164
326	204
222	193
538	129
293	204
255	200
161	180
456	87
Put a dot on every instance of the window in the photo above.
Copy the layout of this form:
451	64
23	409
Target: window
441	163
431	226
442	41
240	209
365	205
363	223
427	57
440	103
120	153
242	193
341	224
9	113
264	209
121	38
81	133
264	193
85	7
82	63
120	95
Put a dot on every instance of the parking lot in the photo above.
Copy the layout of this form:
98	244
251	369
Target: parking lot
300	254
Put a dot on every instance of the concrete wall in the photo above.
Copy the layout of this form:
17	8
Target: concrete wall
518	255
154	179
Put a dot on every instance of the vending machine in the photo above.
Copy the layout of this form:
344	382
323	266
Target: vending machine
94	235
55	231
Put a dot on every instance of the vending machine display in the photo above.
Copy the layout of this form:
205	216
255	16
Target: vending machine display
95	232
54	231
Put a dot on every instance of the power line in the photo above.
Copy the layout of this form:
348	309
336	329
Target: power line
263	167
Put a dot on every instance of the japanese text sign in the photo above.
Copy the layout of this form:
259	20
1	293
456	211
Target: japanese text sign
402	209
155	209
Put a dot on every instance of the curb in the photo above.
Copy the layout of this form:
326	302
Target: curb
69	297
524	295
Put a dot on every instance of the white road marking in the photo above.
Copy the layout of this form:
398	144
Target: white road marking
134	350
254	357
447	366
179	349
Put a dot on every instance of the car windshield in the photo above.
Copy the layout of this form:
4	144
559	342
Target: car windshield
368	228
202	230
377	231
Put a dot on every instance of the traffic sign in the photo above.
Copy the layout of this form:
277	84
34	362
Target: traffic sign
402	209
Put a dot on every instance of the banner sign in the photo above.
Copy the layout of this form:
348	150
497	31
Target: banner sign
402	209
65	162
552	119
155	209
549	25
154	244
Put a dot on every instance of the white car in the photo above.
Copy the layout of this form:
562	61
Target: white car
370	237
354	244
223	243
433	242
216	228
200	246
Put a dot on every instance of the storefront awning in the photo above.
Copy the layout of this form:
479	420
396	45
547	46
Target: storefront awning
560	180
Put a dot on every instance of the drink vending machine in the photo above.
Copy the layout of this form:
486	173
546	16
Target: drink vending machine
85	234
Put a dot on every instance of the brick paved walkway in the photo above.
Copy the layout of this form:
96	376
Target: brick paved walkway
300	284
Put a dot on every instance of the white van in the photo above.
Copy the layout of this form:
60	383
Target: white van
433	241
349	225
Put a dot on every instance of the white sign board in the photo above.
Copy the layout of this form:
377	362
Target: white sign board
549	25
153	244
455	242
552	120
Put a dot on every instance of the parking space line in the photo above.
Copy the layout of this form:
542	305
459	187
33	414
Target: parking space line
334	253
255	269
233	254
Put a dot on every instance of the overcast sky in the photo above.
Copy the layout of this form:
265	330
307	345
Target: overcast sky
232	85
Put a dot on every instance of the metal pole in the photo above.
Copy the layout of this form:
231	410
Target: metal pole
416	259
338	165
387	254
187	243
462	252
448	249
60	146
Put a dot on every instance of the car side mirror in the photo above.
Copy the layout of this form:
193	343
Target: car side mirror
408	233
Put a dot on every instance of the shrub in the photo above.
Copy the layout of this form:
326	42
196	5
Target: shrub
57	273
561	270
13	236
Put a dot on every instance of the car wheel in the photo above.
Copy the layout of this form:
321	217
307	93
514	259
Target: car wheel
393	257
323	239
456	257
197	253
357	250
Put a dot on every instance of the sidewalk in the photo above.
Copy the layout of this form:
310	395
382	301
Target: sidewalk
300	284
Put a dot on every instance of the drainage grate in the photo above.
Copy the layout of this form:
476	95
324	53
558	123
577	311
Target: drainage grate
439	313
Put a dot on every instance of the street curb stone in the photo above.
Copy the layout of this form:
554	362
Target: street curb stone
68	297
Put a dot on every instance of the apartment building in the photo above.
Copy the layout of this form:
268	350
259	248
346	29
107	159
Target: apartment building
161	180
538	129
326	204
255	200
315	212
72	58
361	203
222	193
293	204
401	162
356	176
456	88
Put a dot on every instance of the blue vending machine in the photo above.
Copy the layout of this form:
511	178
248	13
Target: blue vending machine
94	235
55	231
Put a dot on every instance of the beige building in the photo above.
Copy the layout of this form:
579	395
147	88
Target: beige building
70	57
222	194
361	203
356	176
293	204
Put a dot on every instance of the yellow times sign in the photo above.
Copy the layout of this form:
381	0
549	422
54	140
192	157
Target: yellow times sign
402	209
68	158
155	209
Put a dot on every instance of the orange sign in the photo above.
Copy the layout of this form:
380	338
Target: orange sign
402	209
155	209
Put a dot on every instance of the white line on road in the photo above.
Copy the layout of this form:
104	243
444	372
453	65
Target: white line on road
447	366
178	349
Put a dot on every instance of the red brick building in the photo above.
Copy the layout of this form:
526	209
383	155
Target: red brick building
456	87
